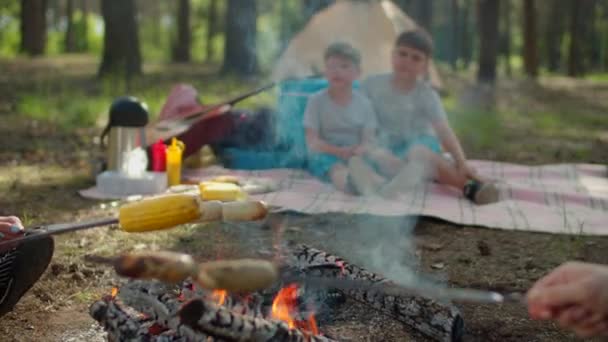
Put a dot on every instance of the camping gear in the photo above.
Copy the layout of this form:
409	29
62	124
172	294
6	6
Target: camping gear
174	161
159	156
125	130
289	150
349	21
182	111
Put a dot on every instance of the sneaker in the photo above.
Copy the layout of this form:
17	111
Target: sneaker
362	176
481	193
21	268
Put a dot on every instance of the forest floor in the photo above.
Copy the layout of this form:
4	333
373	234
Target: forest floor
52	108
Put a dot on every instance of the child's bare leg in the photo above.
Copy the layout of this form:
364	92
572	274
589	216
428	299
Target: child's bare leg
388	164
437	167
338	175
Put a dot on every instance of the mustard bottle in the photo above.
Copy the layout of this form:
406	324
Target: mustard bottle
174	162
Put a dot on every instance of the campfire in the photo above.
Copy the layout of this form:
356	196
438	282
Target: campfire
155	311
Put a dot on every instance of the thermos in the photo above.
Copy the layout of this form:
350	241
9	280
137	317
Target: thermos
125	130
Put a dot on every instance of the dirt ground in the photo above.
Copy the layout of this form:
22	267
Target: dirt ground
39	180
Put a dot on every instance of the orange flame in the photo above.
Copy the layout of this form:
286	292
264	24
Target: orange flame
312	325
114	292
284	306
219	296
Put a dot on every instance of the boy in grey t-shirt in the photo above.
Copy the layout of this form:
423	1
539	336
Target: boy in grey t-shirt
413	126
340	123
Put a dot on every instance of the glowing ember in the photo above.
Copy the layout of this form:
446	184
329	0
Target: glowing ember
285	305
312	323
219	296
114	292
341	265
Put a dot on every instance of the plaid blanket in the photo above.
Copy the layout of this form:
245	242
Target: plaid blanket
564	198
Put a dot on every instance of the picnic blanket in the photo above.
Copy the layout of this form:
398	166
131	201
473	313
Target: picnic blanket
563	198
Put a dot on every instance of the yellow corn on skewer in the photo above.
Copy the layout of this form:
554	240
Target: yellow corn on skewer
221	191
167	211
159	213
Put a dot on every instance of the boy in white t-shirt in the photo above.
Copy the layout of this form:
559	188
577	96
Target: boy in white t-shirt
340	124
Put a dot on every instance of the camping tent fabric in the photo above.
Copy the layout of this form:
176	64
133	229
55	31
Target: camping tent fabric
370	26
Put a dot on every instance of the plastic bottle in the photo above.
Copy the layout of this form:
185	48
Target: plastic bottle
174	162
159	156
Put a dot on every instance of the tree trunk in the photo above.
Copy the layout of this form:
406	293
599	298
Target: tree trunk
505	39
488	40
85	25
424	14
466	47
181	52
575	56
121	51
211	30
593	36
554	33
240	50
284	25
530	46
33	26
454	35
70	44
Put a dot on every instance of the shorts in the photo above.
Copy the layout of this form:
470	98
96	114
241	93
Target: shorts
319	164
428	141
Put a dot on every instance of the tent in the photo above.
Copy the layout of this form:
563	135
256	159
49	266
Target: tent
369	25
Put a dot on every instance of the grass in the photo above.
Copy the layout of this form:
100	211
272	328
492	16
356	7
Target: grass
83	101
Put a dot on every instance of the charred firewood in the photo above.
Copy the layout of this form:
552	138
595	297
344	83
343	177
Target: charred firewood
214	320
124	324
438	320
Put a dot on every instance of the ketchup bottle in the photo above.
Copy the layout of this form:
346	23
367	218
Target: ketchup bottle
159	156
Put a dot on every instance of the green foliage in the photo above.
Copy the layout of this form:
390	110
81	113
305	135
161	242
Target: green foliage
69	106
9	34
475	127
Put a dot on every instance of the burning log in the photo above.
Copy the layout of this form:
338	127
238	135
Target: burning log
440	321
214	320
159	305
123	324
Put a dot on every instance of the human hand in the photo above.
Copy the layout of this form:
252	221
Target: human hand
360	150
575	295
346	153
10	227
